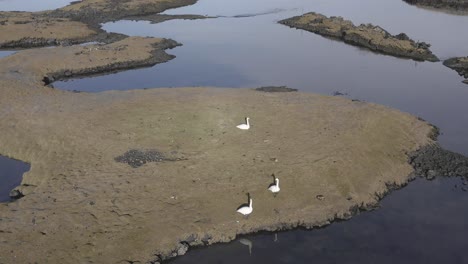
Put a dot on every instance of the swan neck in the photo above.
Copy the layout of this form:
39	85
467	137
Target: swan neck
277	182
247	120
250	203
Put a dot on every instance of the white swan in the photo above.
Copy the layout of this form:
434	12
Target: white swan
274	188
245	126
246	210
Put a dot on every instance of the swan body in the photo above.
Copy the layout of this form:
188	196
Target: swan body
245	126
274	188
246	210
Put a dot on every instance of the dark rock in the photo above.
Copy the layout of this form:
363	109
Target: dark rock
190	239
402	36
446	4
158	18
460	65
337	93
423	45
431	174
206	238
368	36
431	161
275	89
137	158
15	194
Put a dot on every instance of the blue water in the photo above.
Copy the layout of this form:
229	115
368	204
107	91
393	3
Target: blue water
4	53
32	5
11	174
425	222
257	51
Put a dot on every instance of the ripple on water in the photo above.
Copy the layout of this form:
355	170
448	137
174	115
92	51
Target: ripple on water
424	222
11	174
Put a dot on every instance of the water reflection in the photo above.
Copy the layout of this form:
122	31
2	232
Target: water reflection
247	242
440	29
11	174
256	51
424	222
28	5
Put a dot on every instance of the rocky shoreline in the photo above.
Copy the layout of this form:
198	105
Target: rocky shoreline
460	65
158	55
162	208
367	36
454	5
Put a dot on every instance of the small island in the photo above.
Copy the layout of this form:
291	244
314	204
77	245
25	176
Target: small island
460	65
367	36
449	5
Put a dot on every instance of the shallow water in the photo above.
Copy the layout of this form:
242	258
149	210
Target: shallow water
28	5
256	51
424	222
4	53
11	174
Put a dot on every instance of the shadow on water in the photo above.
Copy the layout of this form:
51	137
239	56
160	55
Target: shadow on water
424	222
11	174
184	71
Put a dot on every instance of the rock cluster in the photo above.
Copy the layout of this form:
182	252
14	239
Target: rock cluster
461	5
459	64
368	36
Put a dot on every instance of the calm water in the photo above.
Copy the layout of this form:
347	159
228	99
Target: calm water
423	223
11	173
408	228
4	53
32	5
256	51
